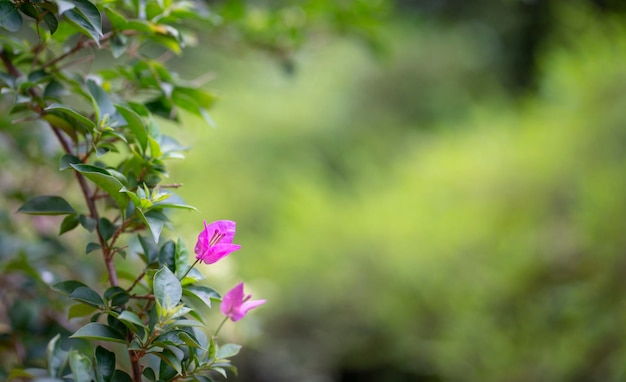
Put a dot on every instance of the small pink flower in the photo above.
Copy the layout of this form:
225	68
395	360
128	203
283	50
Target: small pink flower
235	305
216	241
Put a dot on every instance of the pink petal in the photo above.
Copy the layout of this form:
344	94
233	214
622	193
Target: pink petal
203	241
232	300
217	252
224	227
248	305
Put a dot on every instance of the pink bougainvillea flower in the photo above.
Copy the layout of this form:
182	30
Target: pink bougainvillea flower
216	241
235	304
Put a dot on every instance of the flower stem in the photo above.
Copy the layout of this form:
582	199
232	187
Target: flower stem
220	327
192	265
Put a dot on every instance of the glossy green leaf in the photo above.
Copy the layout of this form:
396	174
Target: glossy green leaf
86	18
67	160
136	125
105	181
55	89
117	20
106	228
149	374
174	201
181	259
105	364
189	339
171	359
192	98
88	222
201	295
80	366
121	376
227	351
119	45
92	247
80	310
67	287
150	249
167	289
116	296
71	112
189	323
46	205
192	277
87	296
166	254
155	221
103	105
69	223
101	332
57	357
131	320
51	21
10	18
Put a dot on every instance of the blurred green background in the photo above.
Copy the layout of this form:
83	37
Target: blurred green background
444	204
424	190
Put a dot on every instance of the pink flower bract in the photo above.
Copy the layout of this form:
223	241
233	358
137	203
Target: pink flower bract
216	241
235	304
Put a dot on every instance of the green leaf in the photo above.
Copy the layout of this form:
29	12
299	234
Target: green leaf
106	228
131	320
69	223
85	17
88	222
80	366
227	351
103	104
101	332
136	125
67	287
150	250
201	295
116	296
121	376
92	247
189	323
105	364
51	21
171	359
119	45
155	148
167	289
10	18
181	259
68	160
174	201
71	112
46	205
166	254
87	296
192	277
149	373
55	89
189	339
105	181
192	99
57	357
117	20
80	310
155	221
